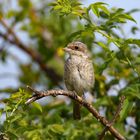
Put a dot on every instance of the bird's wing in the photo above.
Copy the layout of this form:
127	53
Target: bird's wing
86	73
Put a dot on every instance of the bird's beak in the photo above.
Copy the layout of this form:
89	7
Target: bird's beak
66	49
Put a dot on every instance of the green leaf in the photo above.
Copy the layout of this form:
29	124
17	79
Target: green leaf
132	90
21	90
74	35
104	9
52	4
38	106
1	111
57	7
126	16
134	29
16	95
11	13
103	46
104	66
76	4
76	13
25	4
100	3
14	118
95	10
57	128
133	41
102	102
7	108
12	135
111	56
126	109
119	10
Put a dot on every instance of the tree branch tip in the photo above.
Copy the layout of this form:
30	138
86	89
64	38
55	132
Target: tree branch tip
33	90
28	101
28	87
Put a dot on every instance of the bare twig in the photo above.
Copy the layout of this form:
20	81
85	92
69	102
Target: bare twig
89	107
119	108
32	53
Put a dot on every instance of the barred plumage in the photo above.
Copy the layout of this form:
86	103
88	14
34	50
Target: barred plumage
79	72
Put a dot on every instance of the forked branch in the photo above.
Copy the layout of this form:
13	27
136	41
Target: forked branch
119	108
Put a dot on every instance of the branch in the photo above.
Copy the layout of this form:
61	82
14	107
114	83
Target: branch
32	53
119	108
70	94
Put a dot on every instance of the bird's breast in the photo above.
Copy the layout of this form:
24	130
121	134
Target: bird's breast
78	74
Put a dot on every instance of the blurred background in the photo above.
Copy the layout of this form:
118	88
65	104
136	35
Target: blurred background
32	35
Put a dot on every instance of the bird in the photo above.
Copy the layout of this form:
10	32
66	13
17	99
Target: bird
78	72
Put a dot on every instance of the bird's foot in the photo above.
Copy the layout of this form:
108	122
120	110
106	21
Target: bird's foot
84	99
75	94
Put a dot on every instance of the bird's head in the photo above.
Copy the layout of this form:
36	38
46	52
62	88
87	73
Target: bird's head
76	48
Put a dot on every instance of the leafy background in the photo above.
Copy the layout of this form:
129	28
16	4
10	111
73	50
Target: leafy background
46	27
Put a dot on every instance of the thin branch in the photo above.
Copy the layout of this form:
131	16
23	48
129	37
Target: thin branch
32	53
119	108
89	107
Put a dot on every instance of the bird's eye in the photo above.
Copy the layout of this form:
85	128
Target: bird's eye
76	47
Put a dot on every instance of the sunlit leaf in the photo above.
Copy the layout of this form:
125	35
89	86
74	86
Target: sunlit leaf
95	10
57	7
126	16
104	9
38	106
103	46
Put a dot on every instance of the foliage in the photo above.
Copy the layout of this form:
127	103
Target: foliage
49	27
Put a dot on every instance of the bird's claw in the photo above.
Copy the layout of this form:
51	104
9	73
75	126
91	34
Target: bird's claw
75	94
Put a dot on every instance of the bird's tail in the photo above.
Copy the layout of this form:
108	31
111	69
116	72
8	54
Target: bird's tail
76	111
